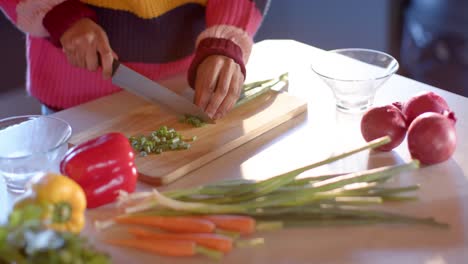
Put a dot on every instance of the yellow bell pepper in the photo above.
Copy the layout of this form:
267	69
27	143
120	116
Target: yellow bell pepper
63	199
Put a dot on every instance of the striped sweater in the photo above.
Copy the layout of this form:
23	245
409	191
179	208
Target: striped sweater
158	38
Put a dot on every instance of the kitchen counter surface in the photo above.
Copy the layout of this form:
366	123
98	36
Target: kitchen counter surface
301	141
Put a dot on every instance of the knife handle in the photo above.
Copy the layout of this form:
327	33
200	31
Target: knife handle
115	64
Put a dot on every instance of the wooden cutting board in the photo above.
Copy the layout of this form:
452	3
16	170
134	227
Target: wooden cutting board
213	140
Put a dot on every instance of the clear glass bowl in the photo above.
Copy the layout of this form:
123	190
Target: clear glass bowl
354	75
30	146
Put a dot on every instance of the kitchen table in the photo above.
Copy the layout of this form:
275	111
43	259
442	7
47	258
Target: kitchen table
301	141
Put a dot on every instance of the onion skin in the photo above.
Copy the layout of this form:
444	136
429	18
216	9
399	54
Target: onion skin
398	105
384	121
432	137
422	103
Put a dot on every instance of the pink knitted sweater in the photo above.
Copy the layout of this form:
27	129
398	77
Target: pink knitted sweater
157	38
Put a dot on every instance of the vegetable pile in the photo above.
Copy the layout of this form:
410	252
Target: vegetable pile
195	121
43	226
179	236
229	209
159	141
427	119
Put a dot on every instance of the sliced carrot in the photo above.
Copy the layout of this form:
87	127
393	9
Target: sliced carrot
209	240
165	248
180	224
243	224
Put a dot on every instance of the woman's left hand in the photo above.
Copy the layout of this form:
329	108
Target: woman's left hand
218	85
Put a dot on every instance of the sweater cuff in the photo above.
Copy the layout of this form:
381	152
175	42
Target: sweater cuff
214	46
60	18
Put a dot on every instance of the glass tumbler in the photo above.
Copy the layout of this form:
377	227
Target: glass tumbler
30	146
354	75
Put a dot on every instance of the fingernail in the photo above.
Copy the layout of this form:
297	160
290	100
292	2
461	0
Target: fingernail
218	116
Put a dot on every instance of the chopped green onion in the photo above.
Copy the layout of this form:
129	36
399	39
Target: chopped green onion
158	141
195	121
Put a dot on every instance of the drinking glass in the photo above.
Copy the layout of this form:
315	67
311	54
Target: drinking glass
30	146
354	75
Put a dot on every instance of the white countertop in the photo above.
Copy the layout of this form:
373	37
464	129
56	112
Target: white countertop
308	138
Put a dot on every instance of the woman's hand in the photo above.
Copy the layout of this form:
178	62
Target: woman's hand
84	42
218	85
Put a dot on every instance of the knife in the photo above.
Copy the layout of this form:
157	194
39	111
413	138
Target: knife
146	88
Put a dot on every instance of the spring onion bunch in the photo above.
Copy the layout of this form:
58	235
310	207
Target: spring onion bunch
286	201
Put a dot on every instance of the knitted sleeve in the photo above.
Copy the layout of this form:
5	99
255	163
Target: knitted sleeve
45	18
231	25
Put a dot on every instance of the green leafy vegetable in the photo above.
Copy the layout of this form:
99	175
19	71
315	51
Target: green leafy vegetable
25	239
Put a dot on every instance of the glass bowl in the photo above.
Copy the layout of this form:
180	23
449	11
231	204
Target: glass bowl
354	75
31	145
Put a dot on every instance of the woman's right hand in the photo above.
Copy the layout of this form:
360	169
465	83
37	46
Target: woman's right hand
84	42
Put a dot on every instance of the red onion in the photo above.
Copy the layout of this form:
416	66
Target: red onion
383	121
398	105
422	103
432	137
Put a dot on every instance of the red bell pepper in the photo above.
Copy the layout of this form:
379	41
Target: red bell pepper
102	166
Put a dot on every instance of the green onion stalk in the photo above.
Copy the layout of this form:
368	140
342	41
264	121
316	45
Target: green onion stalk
253	90
249	190
285	201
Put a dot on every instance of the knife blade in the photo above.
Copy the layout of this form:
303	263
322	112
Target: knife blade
152	91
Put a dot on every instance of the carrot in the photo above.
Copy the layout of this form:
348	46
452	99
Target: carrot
166	248
180	224
209	240
243	224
